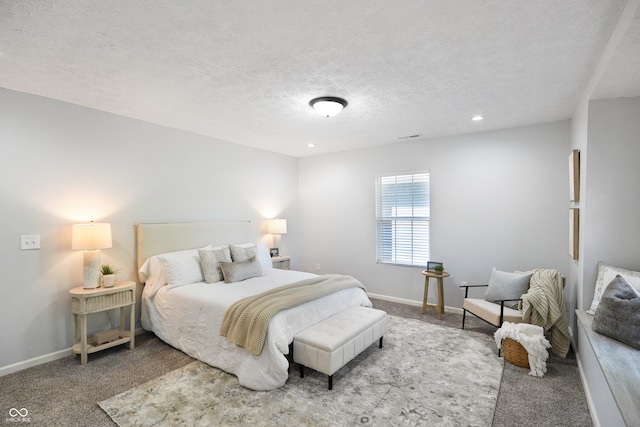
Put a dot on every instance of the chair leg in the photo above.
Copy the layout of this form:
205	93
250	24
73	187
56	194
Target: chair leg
464	314
330	382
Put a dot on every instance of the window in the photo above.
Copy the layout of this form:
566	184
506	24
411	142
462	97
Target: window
403	214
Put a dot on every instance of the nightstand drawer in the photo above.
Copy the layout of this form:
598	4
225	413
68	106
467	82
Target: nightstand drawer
102	302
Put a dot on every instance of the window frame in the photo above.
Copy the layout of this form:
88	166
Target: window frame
401	257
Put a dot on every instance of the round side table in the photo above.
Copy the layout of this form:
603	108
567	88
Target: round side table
440	306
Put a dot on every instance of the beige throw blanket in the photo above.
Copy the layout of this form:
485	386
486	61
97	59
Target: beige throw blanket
544	302
245	322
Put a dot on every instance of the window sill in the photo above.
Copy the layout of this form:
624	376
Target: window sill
619	364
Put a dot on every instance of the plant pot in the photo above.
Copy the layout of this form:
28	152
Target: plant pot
108	280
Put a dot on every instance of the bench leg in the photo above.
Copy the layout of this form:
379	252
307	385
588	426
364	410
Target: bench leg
380	343
330	382
301	371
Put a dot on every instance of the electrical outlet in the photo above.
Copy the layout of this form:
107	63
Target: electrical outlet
29	242
463	283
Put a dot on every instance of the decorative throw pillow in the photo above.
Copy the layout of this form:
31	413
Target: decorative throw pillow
618	313
240	270
209	260
504	285
606	273
243	252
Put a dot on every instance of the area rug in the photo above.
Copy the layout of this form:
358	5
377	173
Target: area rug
425	374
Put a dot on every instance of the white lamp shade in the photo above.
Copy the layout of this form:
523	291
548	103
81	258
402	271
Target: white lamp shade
277	226
86	237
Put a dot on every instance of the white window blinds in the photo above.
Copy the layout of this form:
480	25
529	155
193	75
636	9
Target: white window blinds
403	213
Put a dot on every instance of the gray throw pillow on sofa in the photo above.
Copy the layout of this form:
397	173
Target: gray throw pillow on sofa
618	314
504	285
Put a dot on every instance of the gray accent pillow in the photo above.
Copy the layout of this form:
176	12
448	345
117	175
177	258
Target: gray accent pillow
243	252
209	260
618	313
504	285
240	270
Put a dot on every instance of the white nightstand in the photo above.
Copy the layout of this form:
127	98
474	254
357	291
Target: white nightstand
88	301
281	262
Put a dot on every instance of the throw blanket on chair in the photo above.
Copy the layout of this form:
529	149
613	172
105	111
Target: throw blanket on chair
545	304
245	322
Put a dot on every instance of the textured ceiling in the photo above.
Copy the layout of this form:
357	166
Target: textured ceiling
244	71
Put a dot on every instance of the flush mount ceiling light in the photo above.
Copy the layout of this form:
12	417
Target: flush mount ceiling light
328	106
477	118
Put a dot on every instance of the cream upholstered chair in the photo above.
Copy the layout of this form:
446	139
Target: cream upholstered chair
494	312
500	302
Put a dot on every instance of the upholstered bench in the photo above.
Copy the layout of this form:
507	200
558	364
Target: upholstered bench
329	345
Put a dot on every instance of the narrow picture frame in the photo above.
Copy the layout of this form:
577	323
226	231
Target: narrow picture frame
574	176
574	230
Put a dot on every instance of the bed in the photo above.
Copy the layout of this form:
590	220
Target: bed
186	312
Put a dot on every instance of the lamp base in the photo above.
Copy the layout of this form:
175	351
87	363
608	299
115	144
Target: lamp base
91	270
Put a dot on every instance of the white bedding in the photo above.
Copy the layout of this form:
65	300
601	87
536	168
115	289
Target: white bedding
188	317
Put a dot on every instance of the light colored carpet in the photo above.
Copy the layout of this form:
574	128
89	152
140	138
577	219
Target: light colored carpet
425	374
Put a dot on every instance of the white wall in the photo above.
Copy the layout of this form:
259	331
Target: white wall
63	164
498	199
610	208
612	204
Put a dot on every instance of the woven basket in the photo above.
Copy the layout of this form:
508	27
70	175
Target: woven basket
515	353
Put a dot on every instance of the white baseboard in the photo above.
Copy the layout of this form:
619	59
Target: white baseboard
39	360
412	302
19	366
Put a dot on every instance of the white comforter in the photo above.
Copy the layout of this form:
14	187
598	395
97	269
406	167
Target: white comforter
189	317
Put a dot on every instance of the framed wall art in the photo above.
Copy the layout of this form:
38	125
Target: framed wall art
574	176
574	228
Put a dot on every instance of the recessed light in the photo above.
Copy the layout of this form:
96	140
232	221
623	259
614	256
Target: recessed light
311	145
477	118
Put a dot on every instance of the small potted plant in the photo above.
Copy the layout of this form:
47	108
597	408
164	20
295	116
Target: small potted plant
108	275
439	269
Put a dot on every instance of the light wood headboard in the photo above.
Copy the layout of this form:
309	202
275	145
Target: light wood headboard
154	239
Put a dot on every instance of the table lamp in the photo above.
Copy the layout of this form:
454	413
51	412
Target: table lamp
277	227
91	238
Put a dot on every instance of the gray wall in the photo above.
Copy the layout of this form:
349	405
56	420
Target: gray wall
62	164
608	133
612	190
498	199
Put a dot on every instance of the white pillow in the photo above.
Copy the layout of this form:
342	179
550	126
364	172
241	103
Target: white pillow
152	273
606	273
264	258
182	267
